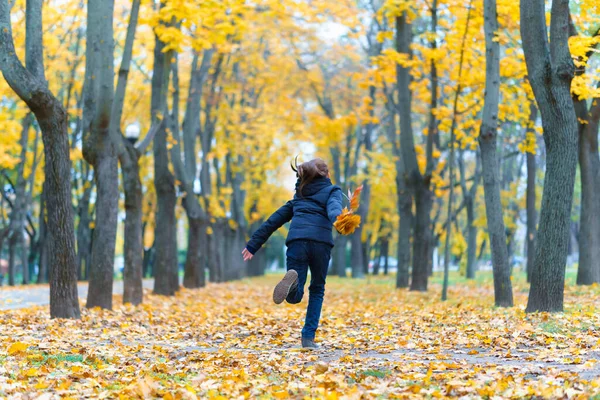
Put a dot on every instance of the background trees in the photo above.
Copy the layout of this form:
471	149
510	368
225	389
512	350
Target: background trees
228	93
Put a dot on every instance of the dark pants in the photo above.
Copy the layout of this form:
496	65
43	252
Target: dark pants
302	255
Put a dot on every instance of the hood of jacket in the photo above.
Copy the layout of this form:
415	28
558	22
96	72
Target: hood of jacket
314	187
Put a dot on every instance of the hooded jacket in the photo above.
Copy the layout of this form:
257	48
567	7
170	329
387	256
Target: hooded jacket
312	214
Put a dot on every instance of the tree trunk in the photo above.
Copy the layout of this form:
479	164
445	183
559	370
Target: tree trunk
531	208
42	242
551	70
165	261
404	231
147	263
84	233
450	205
420	273
471	239
129	157
19	207
469	195
489	161
133	248
416	184
100	150
194	276
339	256
30	86
356	254
588	271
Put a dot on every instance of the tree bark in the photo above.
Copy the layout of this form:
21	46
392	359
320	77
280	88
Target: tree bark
404	231
404	203
589	237
165	260
100	150
339	255
52	119
129	156
588	271
133	248
489	160
16	237
84	233
449	221
356	254
551	70
194	276
531	207
416	184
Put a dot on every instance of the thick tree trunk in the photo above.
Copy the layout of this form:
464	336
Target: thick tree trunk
531	207
416	183
194	276
551	70
423	201
404	231
588	271
165	261
103	245
133	248
52	119
489	161
214	250
100	150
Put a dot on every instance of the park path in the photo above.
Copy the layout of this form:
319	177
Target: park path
12	298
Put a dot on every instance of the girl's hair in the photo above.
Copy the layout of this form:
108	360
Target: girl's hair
308	171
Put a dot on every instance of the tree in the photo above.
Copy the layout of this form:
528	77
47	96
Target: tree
165	263
487	142
588	271
30	85
531	194
551	71
417	183
100	148
129	156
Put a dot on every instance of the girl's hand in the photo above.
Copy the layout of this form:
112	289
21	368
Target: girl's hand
247	255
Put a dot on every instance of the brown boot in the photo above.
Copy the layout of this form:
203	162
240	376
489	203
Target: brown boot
282	289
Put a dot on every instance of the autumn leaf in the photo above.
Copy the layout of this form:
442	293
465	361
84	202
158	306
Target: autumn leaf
17	347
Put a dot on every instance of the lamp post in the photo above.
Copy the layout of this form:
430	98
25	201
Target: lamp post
132	132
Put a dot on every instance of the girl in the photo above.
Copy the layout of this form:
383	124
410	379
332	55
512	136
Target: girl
313	210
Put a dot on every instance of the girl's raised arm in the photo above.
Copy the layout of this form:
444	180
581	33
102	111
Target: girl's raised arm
275	221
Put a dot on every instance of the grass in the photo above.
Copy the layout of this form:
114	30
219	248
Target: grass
376	373
550	327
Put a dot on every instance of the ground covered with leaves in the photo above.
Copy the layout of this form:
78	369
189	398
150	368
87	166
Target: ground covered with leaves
229	341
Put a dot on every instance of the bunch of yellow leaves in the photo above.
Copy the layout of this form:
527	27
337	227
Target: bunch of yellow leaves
348	221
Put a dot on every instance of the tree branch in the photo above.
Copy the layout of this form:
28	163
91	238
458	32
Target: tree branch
143	145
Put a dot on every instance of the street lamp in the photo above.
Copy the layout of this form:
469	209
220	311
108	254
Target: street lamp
132	132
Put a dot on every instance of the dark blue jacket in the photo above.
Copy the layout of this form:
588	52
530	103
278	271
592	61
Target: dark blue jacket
312	213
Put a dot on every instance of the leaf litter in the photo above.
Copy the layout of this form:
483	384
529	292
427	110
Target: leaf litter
229	341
